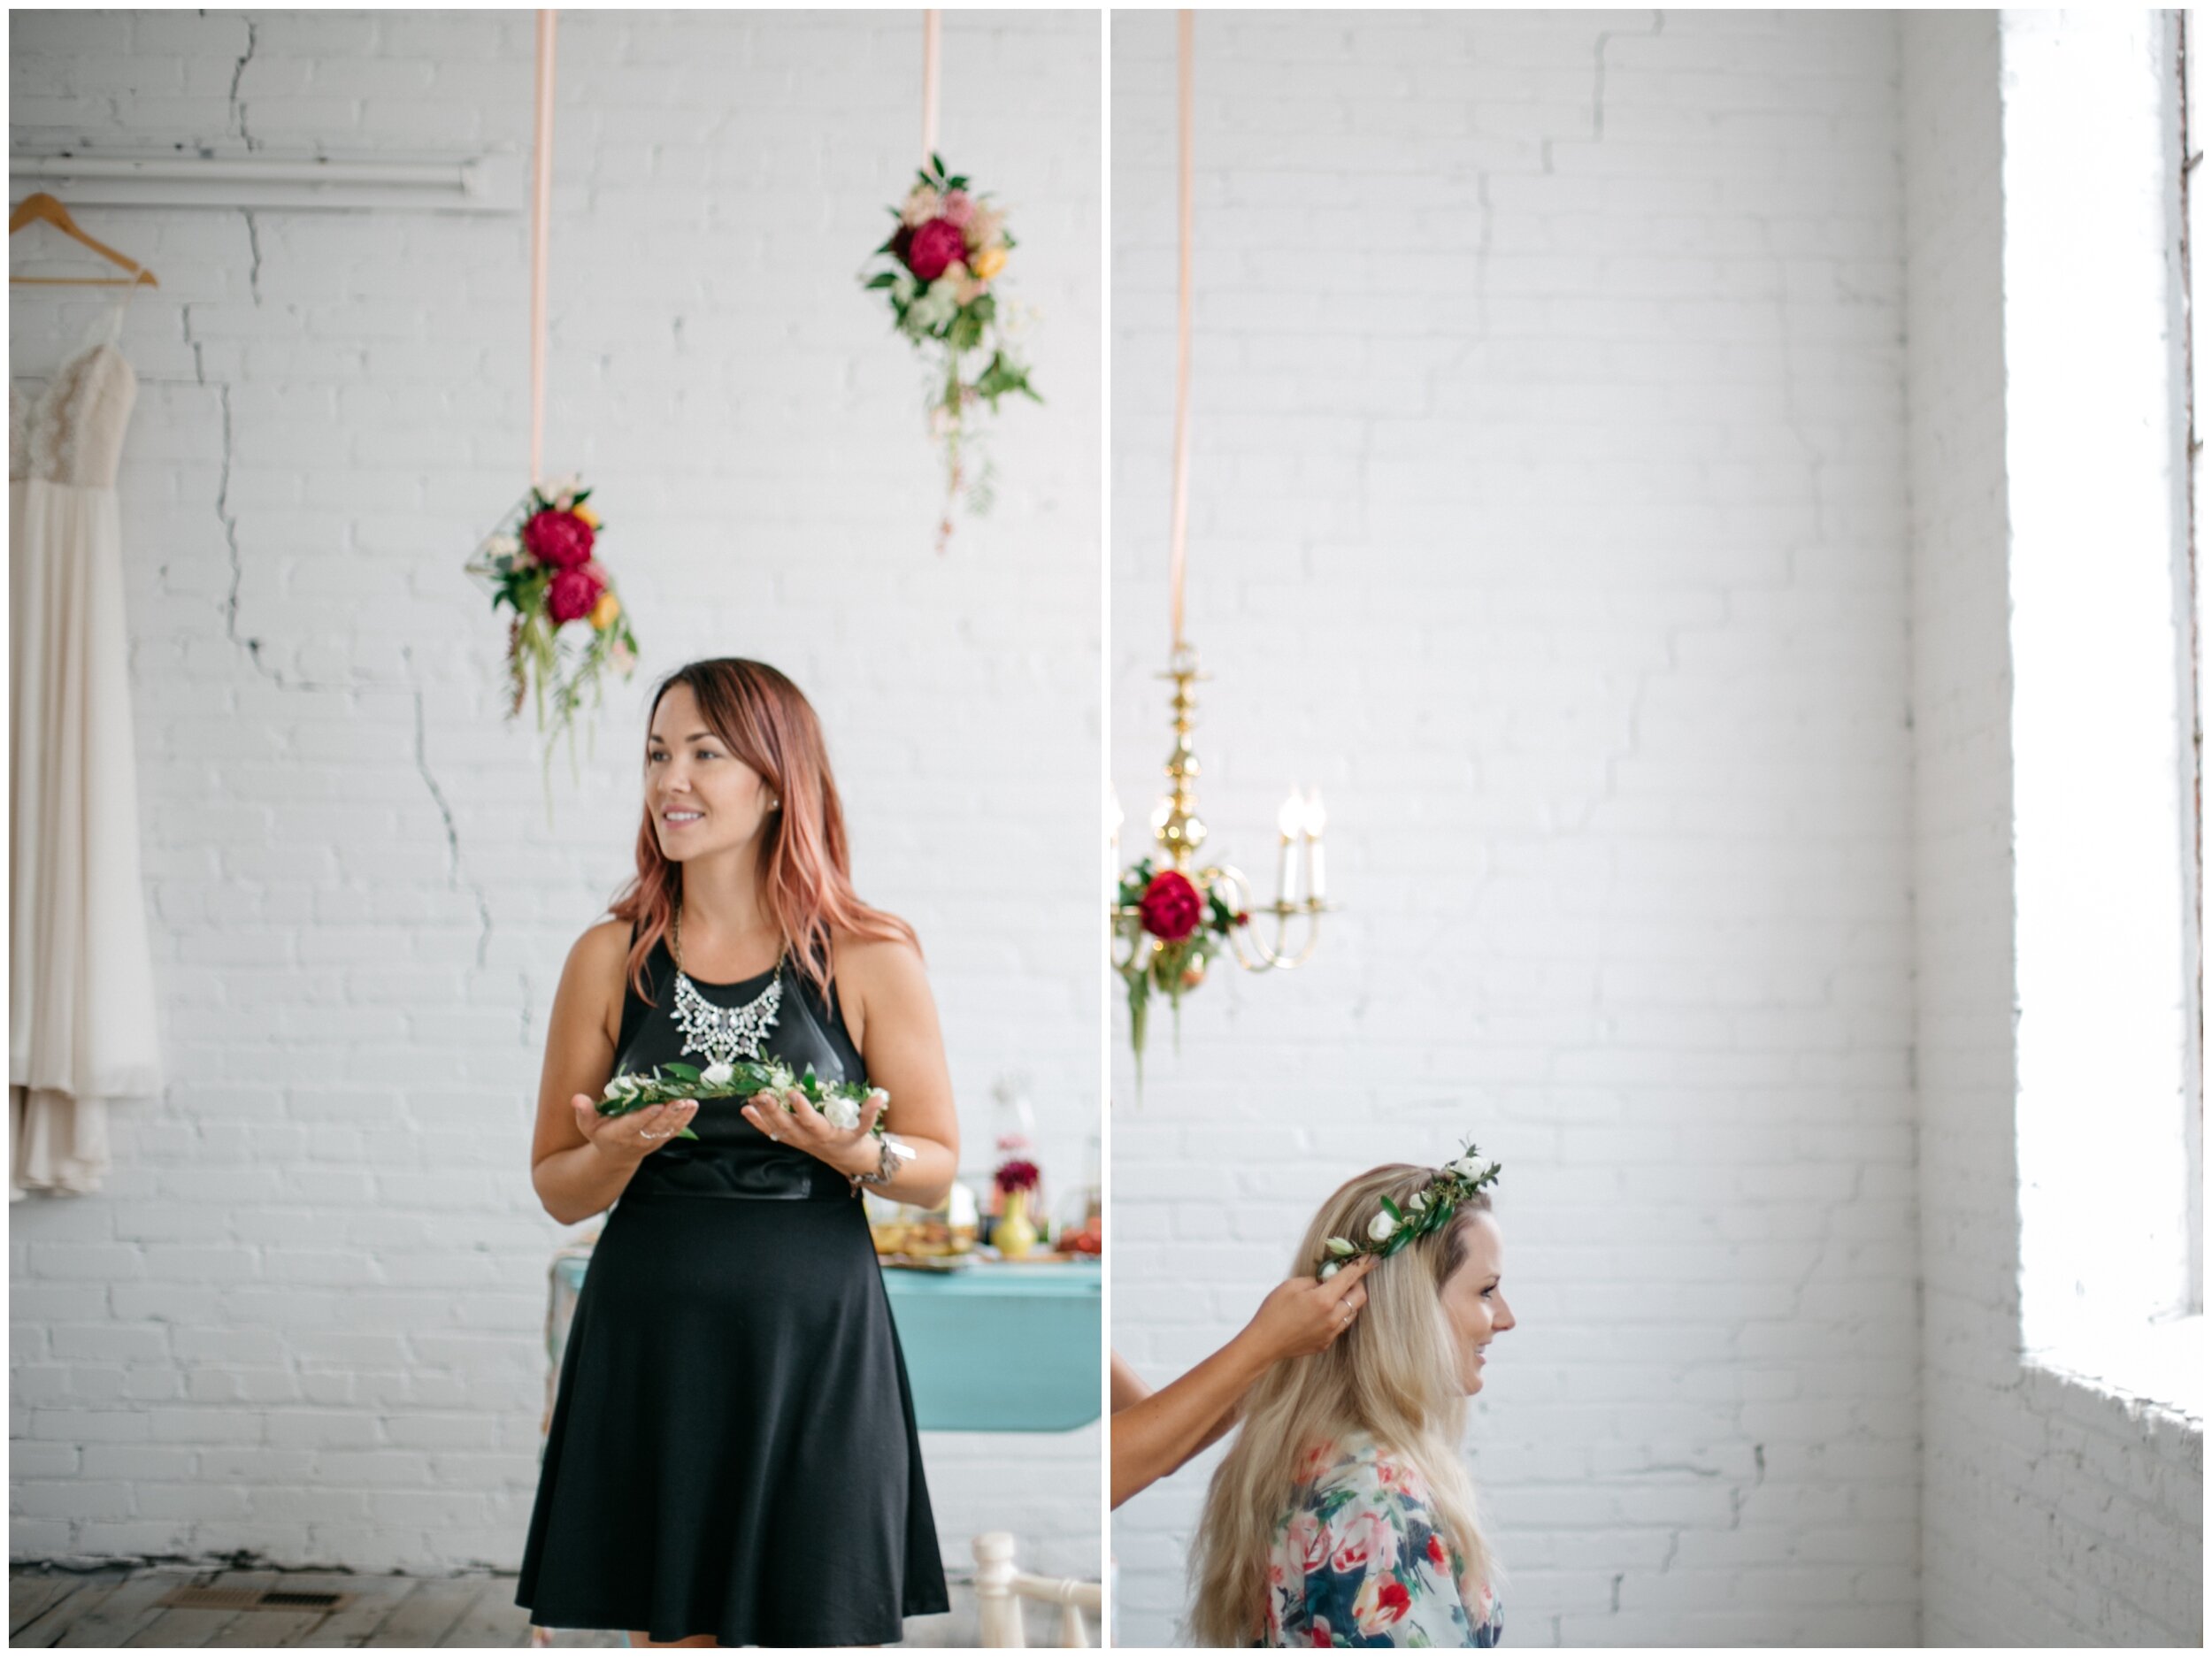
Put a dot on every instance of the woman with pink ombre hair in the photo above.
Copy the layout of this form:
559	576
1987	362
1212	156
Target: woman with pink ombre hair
732	1458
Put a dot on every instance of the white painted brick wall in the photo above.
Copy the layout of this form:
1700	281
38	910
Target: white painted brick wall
304	1318
2050	1514
1549	512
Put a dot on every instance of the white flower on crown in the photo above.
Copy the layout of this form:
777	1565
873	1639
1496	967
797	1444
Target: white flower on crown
844	1114
622	1087
717	1075
1381	1227
1330	1269
1465	1167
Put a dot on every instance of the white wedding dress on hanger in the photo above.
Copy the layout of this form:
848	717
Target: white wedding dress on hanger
82	1010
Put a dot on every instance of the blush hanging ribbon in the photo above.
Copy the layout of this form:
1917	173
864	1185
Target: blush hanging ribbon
541	215
932	22
1179	516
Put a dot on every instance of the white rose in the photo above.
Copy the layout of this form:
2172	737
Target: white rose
878	1096
1466	1168
1381	1227
1330	1270
620	1087
920	207
842	1114
717	1075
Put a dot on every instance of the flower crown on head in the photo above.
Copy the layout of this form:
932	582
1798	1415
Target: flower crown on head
1428	1210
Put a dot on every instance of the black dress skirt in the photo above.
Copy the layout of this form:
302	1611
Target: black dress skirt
733	1449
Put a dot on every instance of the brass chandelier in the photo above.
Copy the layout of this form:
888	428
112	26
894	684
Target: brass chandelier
1172	914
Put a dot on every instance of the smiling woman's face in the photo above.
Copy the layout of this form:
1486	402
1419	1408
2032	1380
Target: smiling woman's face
702	797
1473	1301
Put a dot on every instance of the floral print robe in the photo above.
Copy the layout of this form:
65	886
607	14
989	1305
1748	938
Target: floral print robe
1357	1561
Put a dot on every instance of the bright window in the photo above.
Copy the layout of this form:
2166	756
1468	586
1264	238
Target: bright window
2104	685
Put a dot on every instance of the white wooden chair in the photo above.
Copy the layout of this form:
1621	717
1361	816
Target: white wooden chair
1000	1589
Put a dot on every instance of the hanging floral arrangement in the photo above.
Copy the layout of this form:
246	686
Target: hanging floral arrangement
541	564
1171	928
938	271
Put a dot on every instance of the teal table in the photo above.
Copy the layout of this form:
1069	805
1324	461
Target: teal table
993	1348
1001	1347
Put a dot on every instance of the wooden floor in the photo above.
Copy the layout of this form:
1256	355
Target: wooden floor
122	1608
116	1607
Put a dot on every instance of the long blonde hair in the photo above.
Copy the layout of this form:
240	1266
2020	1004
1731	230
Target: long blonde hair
1393	1373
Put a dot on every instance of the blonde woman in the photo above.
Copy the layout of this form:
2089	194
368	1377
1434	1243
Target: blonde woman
1342	1515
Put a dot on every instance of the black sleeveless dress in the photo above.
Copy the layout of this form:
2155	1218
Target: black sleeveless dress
733	1449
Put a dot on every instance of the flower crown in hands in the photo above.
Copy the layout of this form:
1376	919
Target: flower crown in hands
1428	1210
839	1102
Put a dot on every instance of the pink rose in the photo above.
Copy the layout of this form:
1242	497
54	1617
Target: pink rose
934	246
1308	1540
956	207
1365	1544
1381	1601
1316	1460
560	538
1400	1477
574	592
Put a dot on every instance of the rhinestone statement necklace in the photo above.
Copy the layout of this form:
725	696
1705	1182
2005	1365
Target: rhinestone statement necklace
724	1034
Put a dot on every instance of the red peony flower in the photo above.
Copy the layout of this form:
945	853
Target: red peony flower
1170	907
932	247
560	538
574	592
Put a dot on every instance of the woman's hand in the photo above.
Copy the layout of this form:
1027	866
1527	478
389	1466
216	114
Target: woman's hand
631	1139
850	1151
1304	1316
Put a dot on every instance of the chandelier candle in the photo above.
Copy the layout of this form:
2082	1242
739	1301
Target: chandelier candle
1316	819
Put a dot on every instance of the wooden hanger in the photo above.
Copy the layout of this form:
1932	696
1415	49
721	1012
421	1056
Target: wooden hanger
43	209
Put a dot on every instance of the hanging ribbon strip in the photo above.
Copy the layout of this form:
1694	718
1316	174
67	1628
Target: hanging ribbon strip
931	29
541	216
1179	515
